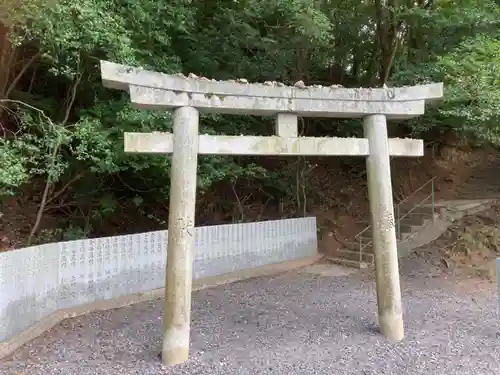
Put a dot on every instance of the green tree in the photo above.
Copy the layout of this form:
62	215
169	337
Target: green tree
62	132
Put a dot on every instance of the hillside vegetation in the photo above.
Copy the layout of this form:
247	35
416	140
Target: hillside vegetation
63	172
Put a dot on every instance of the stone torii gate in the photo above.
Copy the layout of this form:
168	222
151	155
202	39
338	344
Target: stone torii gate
187	96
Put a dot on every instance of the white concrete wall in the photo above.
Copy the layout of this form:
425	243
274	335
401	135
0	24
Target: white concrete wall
39	280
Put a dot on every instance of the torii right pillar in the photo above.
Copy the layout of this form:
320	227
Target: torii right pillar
378	170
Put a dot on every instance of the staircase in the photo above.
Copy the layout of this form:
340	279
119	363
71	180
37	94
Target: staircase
411	217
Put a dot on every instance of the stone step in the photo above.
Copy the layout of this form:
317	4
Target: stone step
368	232
346	262
408	235
354	246
409	226
410	221
404	229
351	246
419	211
368	250
416	218
354	255
404	234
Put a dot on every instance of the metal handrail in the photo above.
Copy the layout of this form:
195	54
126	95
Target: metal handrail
397	206
420	204
431	181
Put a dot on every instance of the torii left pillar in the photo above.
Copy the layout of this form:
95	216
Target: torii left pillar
177	318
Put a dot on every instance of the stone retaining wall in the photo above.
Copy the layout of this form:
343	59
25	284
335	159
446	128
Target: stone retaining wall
40	280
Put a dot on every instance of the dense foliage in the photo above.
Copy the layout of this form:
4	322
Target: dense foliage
62	131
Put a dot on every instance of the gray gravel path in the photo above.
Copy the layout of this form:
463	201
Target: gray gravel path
295	323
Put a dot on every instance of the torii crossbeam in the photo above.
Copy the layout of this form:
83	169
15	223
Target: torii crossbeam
187	96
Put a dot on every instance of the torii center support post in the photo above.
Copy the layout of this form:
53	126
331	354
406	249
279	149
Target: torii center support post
378	170
179	273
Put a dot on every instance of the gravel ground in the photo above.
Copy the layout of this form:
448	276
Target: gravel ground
296	323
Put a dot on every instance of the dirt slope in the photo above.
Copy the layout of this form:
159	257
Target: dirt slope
335	193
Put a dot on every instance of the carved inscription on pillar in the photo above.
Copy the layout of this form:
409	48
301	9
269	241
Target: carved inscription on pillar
386	221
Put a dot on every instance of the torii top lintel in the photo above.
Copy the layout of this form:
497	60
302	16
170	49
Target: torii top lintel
156	90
